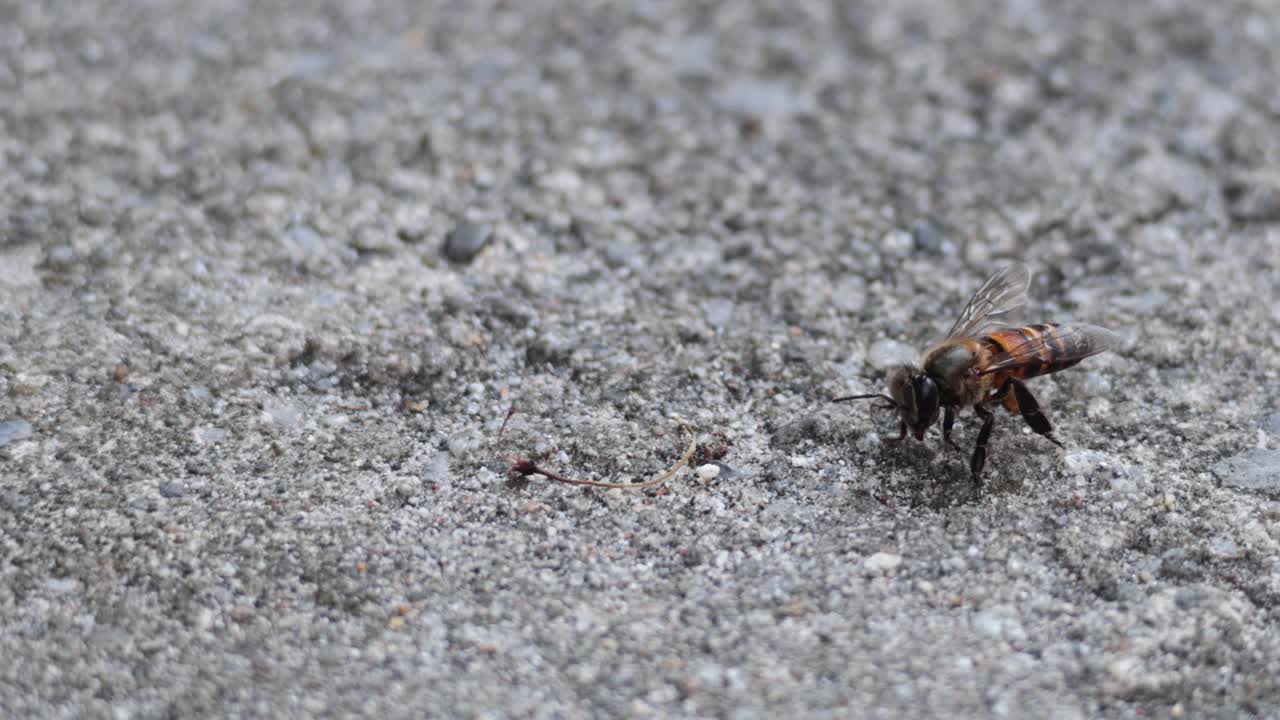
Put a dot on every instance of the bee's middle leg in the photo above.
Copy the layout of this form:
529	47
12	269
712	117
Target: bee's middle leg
980	449
949	421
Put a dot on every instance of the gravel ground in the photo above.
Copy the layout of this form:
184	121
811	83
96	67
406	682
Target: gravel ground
272	278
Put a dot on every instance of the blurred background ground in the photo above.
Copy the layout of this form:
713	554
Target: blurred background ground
273	273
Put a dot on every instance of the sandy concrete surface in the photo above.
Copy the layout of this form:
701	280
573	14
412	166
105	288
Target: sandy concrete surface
273	274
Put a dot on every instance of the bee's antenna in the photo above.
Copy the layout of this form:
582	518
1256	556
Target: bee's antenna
875	396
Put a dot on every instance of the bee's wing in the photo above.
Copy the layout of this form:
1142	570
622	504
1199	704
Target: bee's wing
1068	343
1004	291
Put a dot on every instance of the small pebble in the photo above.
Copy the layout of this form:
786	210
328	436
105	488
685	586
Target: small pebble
282	414
897	242
849	294
1254	202
28	383
372	238
1222	547
707	473
761	98
210	435
566	182
1083	462
881	563
987	623
12	431
60	257
1256	469
305	237
999	621
437	470
1095	384
718	312
1271	424
466	241
927	237
887	353
618	254
14	502
172	489
727	471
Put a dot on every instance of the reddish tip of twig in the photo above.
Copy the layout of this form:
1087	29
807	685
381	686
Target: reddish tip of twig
510	411
523	467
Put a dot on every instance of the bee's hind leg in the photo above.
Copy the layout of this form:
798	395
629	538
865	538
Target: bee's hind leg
1030	410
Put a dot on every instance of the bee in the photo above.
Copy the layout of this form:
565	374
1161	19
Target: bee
980	364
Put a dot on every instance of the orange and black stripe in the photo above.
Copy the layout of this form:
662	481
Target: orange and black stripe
1038	350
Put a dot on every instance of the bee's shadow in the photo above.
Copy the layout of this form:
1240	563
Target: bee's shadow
931	475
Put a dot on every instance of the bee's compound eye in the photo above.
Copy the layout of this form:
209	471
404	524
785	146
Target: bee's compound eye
926	396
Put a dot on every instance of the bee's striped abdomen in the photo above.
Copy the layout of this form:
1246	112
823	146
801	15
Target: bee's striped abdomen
1033	350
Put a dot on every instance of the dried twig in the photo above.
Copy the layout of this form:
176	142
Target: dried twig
524	467
510	411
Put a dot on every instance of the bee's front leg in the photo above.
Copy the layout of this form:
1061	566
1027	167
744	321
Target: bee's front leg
902	434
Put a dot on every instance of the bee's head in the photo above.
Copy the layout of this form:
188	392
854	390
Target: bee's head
916	395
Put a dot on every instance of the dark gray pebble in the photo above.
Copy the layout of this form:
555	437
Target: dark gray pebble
172	489
1271	424
927	237
1256	469
466	241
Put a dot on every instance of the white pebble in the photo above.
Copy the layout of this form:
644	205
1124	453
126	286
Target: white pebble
708	472
1083	462
881	563
897	242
